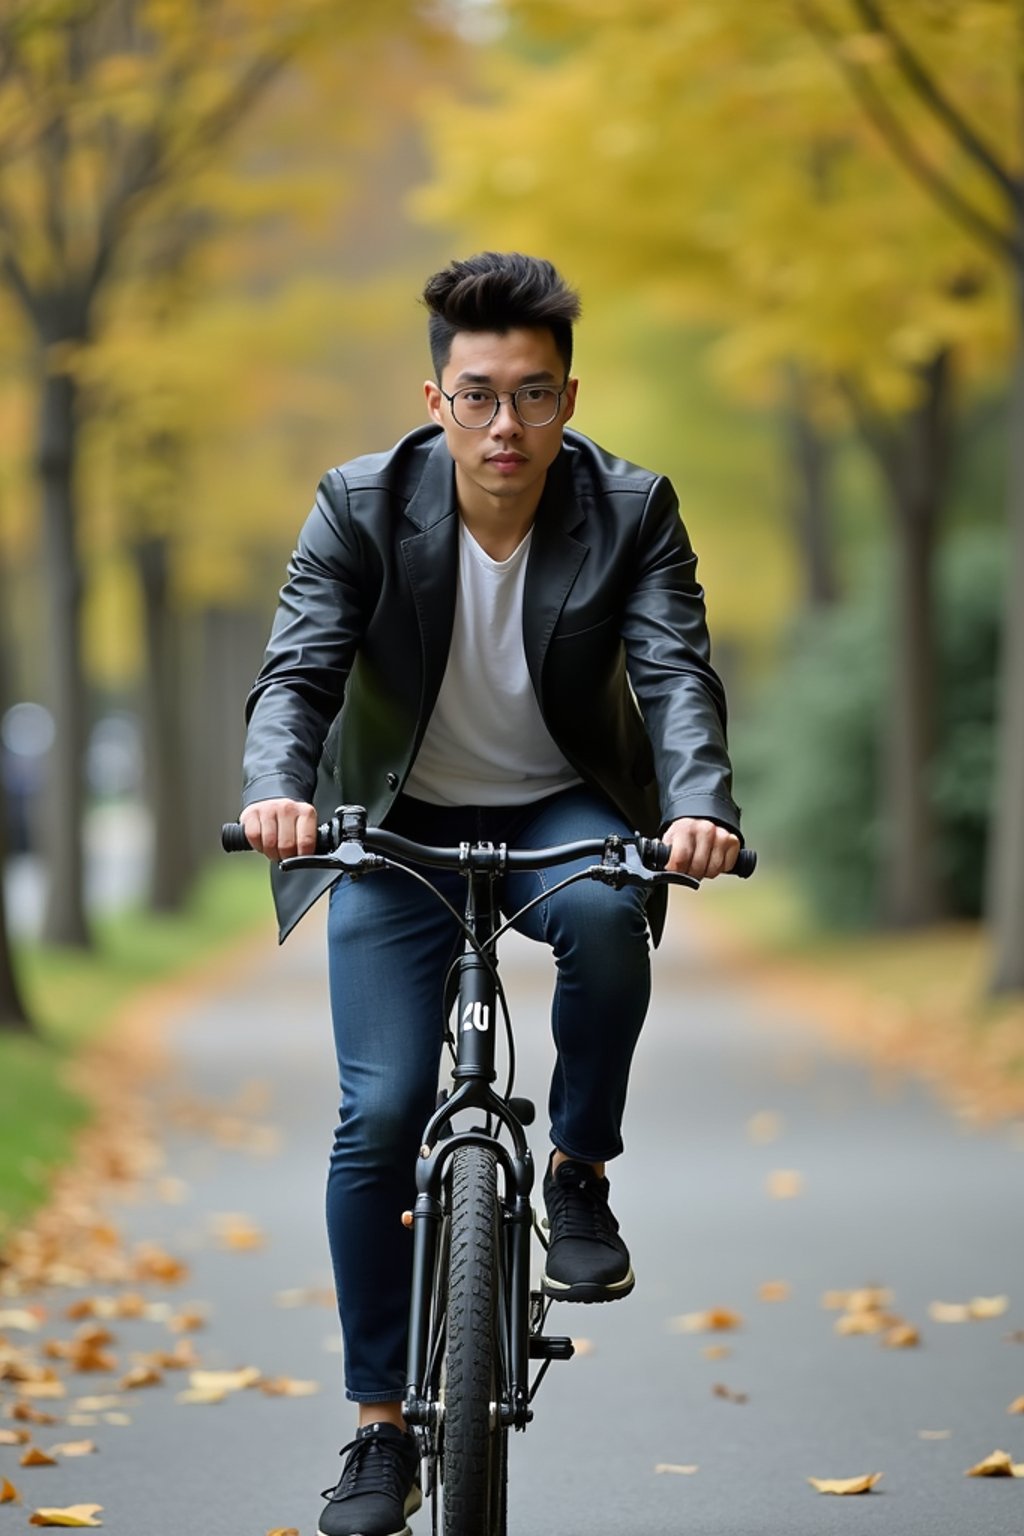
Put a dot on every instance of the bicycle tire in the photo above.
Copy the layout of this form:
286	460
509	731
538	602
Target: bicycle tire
474	1442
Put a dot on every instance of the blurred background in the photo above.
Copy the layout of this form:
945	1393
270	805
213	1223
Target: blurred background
798	229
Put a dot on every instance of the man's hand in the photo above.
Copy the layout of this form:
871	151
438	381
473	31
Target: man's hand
700	848
280	828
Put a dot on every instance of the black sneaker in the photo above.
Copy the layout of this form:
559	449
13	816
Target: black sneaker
379	1487
587	1259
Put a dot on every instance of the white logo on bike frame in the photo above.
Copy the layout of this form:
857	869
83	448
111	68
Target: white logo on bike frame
476	1016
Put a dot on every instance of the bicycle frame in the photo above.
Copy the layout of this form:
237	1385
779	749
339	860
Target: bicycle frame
473	1074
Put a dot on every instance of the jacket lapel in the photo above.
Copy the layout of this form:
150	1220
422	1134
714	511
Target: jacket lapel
431	562
553	565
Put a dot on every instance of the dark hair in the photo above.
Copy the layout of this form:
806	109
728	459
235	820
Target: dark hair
499	291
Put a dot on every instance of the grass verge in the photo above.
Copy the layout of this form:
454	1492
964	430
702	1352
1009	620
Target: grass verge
73	996
915	1002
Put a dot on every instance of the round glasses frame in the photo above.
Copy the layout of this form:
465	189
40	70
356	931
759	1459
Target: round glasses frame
513	398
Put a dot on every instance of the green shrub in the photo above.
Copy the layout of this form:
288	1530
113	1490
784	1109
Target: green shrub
808	749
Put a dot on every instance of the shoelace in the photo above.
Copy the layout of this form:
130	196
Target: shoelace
375	1467
578	1210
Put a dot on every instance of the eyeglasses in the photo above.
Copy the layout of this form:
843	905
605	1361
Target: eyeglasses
536	405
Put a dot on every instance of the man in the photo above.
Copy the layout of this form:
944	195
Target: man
492	631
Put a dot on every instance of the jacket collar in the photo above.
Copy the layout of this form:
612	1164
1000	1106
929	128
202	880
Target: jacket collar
434	497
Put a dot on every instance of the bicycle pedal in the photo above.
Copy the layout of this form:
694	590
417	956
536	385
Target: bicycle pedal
546	1347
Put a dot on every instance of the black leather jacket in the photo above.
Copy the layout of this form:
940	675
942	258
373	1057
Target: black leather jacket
613	626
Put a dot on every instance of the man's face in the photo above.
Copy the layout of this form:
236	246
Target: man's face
504	464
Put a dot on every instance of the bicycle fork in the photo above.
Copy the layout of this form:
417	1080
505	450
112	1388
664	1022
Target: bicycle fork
473	1076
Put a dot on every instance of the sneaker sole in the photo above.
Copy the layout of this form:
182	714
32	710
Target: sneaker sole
412	1504
586	1292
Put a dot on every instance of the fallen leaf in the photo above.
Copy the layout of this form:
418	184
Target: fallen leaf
281	1530
934	1434
785	1183
977	1309
25	1413
117	1418
201	1395
284	1386
306	1296
1017	1406
21	1320
225	1381
140	1376
98	1404
866	1298
988	1306
72	1514
8	1493
998	1464
764	1127
716	1352
670	1466
48	1386
34	1457
74	1448
715	1320
238	1233
188	1320
843	1485
853	1323
774	1290
721	1390
901	1336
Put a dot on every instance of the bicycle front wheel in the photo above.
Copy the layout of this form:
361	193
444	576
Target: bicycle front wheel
475	1443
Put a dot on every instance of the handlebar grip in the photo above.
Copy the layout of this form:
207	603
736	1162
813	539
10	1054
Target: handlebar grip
656	856
233	838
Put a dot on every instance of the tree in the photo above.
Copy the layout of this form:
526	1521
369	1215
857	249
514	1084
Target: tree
979	185
748	195
112	109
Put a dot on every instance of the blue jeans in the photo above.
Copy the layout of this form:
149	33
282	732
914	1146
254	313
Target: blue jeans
390	945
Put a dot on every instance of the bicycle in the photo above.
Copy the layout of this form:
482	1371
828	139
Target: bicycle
475	1323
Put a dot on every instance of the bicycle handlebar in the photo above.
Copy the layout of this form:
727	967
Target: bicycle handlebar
332	837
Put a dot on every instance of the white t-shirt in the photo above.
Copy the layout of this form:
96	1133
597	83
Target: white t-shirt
486	742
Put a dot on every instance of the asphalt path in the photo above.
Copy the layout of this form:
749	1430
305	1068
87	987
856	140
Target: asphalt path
755	1156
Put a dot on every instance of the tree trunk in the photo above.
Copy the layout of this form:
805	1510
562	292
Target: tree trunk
65	789
13	1013
912	889
810	459
1005	892
173	864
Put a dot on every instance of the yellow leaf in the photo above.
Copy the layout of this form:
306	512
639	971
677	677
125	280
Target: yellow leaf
934	1434
764	1127
949	1311
785	1184
716	1352
1017	1406
140	1376
284	1386
8	1493
714	1320
843	1485
14	1437
34	1457
71	1514
774	1290
225	1381
901	1336
282	1530
681	1471
21	1319
74	1448
998	1464
988	1306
